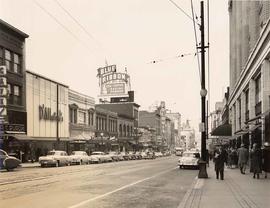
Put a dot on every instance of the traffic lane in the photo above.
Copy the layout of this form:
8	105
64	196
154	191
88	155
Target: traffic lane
37	173
164	190
64	190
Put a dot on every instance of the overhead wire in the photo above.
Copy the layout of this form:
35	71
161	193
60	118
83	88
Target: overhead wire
196	40
77	22
183	11
169	58
62	25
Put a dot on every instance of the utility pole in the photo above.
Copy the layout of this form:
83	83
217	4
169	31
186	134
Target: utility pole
202	163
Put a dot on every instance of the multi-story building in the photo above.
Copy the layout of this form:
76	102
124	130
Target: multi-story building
12	87
176	120
81	120
151	120
47	115
188	135
249	101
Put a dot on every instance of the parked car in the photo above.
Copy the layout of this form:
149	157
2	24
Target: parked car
138	155
97	157
54	158
158	154
8	162
125	156
115	156
189	159
148	155
79	158
132	156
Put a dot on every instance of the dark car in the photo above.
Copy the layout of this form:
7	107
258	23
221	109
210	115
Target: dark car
8	162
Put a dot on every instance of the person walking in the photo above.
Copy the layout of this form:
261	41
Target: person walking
220	157
242	158
266	158
255	161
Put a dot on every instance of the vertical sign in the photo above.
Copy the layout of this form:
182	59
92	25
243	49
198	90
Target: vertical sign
3	94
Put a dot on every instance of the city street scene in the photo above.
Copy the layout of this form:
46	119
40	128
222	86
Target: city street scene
135	103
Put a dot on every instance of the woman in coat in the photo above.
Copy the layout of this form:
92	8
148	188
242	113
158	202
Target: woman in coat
255	161
220	157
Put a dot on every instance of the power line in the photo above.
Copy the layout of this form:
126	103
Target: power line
196	40
76	21
62	25
177	6
174	57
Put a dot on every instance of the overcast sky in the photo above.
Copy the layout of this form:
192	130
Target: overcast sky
128	33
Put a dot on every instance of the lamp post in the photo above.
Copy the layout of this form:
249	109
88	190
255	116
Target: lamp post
203	93
101	134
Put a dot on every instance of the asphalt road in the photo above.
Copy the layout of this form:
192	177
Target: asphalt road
141	183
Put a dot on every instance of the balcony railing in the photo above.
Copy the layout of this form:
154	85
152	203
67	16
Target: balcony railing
247	115
258	108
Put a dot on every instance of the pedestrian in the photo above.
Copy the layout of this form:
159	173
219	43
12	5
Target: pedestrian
266	158
220	158
255	161
242	158
234	158
229	164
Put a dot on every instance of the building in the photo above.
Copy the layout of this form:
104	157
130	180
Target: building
13	115
82	120
47	114
150	122
188	135
249	101
176	120
106	130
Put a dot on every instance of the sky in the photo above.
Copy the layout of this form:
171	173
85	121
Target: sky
69	47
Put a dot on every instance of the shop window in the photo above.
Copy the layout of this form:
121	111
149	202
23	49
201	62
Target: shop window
12	61
17	64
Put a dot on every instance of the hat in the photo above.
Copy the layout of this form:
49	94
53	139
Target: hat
266	144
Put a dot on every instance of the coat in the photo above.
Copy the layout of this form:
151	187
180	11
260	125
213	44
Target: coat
220	158
266	159
242	156
256	161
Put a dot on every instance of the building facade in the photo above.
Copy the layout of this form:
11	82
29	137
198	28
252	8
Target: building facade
188	135
47	114
249	101
82	120
176	119
13	125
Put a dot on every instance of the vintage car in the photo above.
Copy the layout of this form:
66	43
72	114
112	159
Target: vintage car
99	157
115	156
54	158
79	158
8	162
189	159
148	155
158	154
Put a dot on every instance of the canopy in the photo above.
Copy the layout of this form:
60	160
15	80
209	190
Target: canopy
222	130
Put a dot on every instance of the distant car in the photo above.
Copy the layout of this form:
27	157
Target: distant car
115	156
79	158
125	156
138	155
132	156
98	157
8	162
54	158
149	155
189	159
158	154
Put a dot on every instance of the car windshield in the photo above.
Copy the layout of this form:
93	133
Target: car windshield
189	154
96	153
76	153
51	153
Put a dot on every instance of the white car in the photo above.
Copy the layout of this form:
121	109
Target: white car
189	159
98	157
79	158
54	158
8	162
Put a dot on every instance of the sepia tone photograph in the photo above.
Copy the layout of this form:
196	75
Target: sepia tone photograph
135	103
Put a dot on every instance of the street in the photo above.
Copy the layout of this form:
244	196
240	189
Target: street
140	183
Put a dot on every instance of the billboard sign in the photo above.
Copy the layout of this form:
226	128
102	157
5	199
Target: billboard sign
3	94
106	70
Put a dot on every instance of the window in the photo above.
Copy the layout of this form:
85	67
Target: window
73	115
14	94
8	59
91	118
258	90
17	64
16	90
12	61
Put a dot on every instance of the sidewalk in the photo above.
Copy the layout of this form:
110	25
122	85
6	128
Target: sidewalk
30	165
235	191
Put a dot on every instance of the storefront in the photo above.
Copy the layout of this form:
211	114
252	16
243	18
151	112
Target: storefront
47	114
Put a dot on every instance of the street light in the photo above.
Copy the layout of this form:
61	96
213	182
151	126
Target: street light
101	134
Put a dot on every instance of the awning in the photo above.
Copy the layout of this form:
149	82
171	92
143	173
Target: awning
23	137
222	130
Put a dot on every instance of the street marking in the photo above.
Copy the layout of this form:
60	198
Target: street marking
119	189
